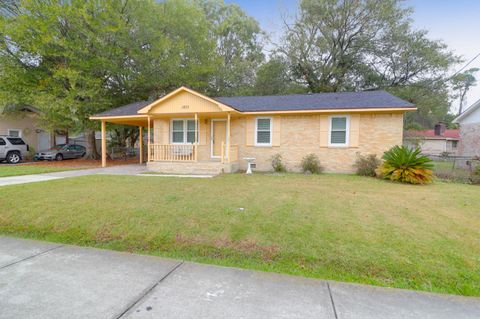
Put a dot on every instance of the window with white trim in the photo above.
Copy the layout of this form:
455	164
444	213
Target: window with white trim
183	131
263	131
338	131
14	133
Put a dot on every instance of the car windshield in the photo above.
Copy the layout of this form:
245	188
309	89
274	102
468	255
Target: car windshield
58	147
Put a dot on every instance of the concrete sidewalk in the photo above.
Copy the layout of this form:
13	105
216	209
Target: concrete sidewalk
130	169
44	280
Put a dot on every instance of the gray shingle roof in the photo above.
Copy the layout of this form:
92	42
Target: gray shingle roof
292	102
129	109
317	101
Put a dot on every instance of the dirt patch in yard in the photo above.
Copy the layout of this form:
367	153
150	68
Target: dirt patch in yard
247	246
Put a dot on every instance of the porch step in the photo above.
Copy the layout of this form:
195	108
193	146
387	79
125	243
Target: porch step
192	168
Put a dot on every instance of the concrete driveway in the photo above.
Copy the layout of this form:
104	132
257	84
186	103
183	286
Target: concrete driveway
131	169
44	280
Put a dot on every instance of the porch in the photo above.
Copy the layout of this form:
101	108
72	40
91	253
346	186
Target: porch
186	133
191	144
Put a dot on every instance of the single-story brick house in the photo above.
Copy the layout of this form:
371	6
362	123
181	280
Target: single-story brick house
438	141
189	132
469	122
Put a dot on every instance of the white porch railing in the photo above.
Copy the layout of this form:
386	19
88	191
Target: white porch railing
187	153
173	152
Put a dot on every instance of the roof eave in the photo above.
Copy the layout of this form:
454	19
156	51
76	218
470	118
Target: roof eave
336	110
109	117
468	111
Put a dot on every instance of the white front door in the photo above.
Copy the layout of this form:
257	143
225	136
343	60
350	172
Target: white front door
43	141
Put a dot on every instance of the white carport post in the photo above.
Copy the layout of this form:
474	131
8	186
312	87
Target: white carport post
140	143
228	138
149	155
104	144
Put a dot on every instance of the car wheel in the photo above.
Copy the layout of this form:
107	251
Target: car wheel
59	157
13	158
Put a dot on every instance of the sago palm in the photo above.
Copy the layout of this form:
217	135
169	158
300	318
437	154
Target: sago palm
406	165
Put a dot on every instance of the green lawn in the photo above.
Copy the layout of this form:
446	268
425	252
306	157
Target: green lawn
16	170
338	227
446	170
443	165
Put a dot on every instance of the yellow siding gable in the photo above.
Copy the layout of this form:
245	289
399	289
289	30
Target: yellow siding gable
185	102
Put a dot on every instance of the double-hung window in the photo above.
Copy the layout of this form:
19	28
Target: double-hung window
14	133
183	131
263	131
338	131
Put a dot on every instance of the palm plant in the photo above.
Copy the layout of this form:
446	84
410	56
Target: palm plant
406	165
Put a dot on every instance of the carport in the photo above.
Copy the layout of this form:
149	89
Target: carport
124	115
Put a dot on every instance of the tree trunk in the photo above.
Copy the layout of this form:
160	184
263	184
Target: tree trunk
135	134
462	98
91	145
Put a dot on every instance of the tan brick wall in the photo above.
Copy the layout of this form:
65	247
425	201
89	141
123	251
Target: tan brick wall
301	135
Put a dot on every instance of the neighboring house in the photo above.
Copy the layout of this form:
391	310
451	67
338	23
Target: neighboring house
24	122
80	139
189	132
469	122
438	141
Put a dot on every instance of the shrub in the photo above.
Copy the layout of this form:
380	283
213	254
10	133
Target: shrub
310	163
366	165
406	165
475	177
277	163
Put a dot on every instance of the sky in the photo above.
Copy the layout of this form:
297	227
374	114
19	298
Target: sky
455	22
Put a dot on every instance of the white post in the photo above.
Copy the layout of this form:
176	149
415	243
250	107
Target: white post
104	144
148	141
195	147
228	138
140	143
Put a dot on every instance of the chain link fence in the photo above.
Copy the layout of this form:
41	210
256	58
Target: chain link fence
456	168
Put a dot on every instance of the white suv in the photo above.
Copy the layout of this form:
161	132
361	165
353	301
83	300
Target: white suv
12	149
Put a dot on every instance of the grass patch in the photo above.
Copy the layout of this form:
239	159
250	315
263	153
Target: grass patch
443	165
448	171
17	170
338	227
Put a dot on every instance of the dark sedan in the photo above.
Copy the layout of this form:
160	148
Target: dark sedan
61	152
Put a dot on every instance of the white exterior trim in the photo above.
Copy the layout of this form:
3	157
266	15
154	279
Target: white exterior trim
256	131
185	130
15	129
467	112
347	131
